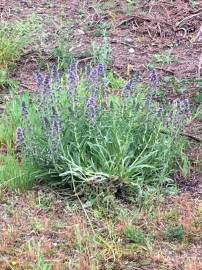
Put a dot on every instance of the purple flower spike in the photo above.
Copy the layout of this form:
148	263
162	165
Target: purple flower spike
130	85
91	108
19	137
72	74
153	79
95	74
72	81
159	112
55	136
55	76
24	110
56	122
39	78
55	127
101	70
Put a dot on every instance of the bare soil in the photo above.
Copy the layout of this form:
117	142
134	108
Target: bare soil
149	29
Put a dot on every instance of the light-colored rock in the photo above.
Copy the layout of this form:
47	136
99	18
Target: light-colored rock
79	32
131	50
128	39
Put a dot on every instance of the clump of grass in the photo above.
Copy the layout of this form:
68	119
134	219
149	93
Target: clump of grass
41	264
129	7
14	38
163	58
115	83
134	235
197	98
174	233
11	119
12	173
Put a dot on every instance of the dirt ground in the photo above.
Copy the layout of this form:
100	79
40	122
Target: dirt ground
37	223
170	27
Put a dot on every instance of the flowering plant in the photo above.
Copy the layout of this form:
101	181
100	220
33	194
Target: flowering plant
79	134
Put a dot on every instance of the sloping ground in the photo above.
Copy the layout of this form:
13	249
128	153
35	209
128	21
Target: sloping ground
35	226
137	35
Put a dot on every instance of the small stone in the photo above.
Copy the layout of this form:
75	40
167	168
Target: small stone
129	40
131	50
79	32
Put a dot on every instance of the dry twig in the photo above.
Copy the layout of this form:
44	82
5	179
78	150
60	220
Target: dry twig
123	43
131	19
188	18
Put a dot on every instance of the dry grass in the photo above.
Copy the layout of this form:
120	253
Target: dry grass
36	225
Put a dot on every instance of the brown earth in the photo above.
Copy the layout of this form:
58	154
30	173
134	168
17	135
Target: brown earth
37	225
170	27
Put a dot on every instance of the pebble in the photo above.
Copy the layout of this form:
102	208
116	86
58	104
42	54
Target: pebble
129	40
79	32
131	50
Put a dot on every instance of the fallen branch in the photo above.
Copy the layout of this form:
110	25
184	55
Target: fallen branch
85	59
166	70
196	11
123	43
188	18
131	19
189	136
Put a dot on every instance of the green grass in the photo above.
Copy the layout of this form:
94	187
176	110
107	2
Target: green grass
41	264
197	98
164	58
129	7
134	235
174	233
12	173
14	38
11	119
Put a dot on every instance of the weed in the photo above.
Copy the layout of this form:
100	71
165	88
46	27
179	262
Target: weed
163	58
129	7
197	98
62	55
11	172
34	250
104	8
194	3
11	119
44	202
101	53
134	235
36	226
41	264
14	37
102	27
199	83
114	83
5	81
174	233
